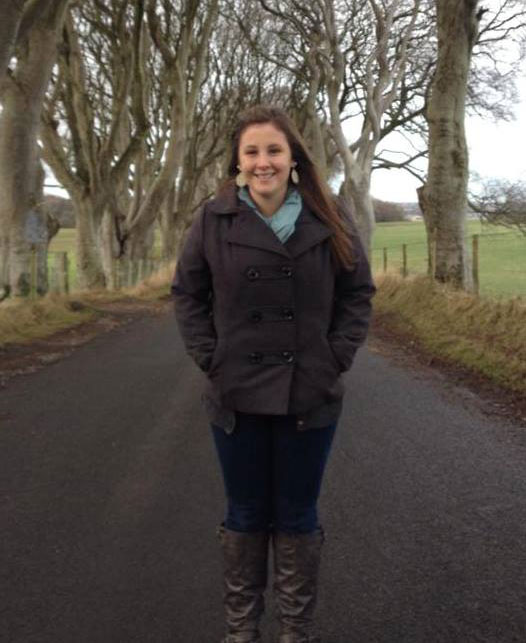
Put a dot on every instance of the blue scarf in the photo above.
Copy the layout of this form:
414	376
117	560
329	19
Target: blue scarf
283	221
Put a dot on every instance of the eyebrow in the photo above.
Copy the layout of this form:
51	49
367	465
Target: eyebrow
249	146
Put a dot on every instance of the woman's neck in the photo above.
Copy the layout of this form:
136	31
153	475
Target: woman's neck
268	206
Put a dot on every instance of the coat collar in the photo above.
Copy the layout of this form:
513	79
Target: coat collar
249	230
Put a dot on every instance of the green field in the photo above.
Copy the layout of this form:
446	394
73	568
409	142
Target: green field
64	241
502	254
502	269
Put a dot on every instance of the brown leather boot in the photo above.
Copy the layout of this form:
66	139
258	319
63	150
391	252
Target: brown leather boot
245	558
296	564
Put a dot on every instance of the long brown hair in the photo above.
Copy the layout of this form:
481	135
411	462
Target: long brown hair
312	187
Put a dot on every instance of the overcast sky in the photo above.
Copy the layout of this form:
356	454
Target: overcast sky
495	149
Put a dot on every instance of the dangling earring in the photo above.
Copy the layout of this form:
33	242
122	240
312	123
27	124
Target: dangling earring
294	175
241	179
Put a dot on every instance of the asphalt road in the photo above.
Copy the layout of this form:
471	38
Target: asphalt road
110	494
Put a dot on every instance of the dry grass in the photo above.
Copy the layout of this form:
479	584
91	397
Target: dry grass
486	335
25	320
156	285
22	321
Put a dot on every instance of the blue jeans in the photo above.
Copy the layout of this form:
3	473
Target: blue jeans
272	472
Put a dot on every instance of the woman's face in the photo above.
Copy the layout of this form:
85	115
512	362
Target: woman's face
265	158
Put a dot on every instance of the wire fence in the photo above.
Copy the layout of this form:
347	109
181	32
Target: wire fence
62	272
498	265
498	262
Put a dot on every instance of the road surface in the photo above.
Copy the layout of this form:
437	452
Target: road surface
111	492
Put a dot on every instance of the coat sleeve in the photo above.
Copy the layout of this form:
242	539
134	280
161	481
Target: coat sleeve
354	289
192	294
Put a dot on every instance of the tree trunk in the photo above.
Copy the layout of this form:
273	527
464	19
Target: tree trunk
108	249
160	188
169	243
356	185
11	17
188	62
31	240
443	198
90	273
313	125
167	226
22	100
358	194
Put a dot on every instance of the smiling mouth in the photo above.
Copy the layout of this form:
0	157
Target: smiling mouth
265	176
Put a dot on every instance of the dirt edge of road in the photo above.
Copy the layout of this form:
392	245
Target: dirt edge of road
29	357
406	349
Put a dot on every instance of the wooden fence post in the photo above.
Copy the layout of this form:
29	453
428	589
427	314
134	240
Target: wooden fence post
130	281
404	260
385	259
114	273
63	271
475	263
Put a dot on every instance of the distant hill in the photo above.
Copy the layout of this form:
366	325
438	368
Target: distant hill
412	211
385	211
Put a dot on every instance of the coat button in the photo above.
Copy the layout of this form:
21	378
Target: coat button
287	313
252	273
255	315
287	271
288	357
255	358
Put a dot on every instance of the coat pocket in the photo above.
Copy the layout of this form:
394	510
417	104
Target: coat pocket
217	359
333	357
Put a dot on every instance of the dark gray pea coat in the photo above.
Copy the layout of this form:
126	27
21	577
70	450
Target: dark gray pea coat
273	325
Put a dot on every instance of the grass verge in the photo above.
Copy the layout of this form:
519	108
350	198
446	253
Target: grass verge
22	321
484	335
25	320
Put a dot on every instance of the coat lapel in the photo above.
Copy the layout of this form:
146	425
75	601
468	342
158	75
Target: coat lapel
309	232
249	230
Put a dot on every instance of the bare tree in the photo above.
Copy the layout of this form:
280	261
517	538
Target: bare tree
23	91
12	12
94	124
497	59
443	198
284	40
352	59
496	63
236	77
186	68
385	66
18	16
503	202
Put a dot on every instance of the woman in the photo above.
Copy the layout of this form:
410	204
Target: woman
272	295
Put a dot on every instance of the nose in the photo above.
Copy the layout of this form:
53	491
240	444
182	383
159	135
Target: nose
262	160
